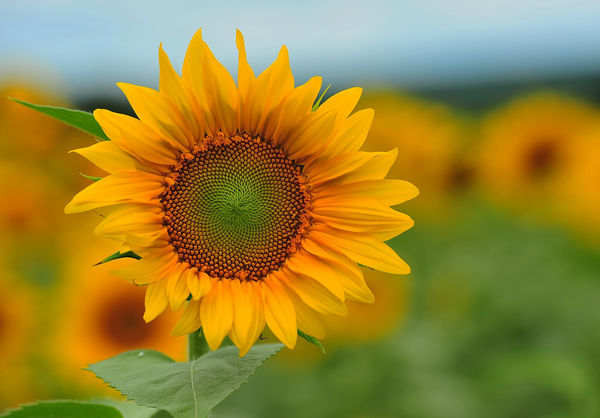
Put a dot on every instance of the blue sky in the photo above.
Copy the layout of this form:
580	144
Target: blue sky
84	47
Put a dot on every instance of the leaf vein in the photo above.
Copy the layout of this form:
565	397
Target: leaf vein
193	390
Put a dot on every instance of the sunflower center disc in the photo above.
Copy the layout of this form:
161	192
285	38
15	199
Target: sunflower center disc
237	207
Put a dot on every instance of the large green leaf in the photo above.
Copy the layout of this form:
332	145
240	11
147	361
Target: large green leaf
64	409
77	118
185	390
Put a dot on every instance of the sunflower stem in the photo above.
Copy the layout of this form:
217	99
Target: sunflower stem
197	345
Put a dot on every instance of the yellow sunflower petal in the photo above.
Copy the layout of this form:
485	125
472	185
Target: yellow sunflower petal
216	313
362	248
374	169
109	157
298	104
389	192
149	244
341	103
133	136
241	313
308	319
245	74
211	83
156	300
198	282
126	187
172	85
124	247
189	321
308	265
312	292
176	289
246	315
131	219
279	311
269	89
366	216
157	111
257	323
352	280
352	133
311	134
148	270
345	164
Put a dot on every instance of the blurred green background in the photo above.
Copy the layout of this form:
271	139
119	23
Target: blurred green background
498	124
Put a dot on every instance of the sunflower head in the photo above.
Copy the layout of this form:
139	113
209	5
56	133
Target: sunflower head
247	207
235	207
529	145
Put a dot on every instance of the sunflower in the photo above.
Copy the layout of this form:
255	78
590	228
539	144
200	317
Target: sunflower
91	329
244	200
529	145
20	217
578	192
17	312
434	153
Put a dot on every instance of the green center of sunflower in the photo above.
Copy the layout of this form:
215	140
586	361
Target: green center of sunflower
236	207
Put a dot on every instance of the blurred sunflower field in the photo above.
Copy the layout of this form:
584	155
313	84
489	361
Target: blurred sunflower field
500	316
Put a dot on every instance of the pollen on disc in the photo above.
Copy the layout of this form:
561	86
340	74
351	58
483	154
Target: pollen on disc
236	207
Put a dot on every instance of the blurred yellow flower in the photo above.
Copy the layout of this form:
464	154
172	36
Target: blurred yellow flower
529	145
432	142
17	319
22	197
579	189
100	315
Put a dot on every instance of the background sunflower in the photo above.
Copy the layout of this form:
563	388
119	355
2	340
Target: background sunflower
531	145
494	109
104	324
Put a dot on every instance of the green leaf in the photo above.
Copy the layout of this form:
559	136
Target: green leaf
90	177
131	410
312	340
76	118
185	390
318	102
117	255
64	409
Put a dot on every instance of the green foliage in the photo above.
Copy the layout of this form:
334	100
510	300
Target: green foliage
312	340
117	255
189	389
320	99
64	409
81	120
